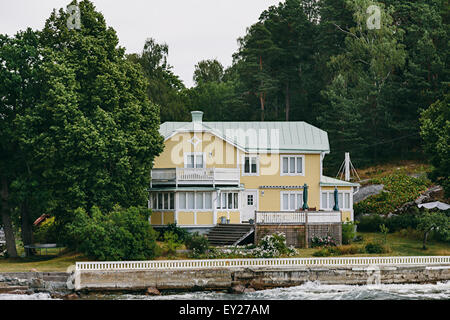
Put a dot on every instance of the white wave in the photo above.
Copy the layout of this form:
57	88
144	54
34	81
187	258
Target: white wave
35	296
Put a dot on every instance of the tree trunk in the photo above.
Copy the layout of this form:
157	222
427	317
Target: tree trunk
6	220
288	103
27	228
425	237
261	99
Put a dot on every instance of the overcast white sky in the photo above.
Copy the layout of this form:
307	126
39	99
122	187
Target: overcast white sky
193	29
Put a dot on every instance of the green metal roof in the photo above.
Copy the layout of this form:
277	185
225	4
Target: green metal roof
281	136
331	182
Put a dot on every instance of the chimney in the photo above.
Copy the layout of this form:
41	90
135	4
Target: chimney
197	116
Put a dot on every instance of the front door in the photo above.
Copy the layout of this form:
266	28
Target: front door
249	205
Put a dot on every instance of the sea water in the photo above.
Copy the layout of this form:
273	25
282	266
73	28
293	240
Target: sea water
307	291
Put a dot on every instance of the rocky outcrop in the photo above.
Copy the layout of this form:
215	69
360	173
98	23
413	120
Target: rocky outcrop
367	191
34	282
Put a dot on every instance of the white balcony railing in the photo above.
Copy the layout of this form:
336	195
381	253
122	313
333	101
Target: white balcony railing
275	217
196	175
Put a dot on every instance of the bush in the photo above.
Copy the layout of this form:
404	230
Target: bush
338	251
272	246
123	234
197	243
324	252
171	242
323	242
181	233
370	223
374	247
348	232
46	232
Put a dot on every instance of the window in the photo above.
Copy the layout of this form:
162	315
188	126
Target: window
194	160
291	201
195	200
327	201
163	201
228	200
292	165
250	200
250	165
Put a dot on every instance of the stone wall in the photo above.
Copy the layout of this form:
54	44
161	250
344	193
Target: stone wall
257	278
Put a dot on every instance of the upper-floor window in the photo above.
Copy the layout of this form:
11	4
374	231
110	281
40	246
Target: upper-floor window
250	165
292	165
327	200
163	201
194	160
291	201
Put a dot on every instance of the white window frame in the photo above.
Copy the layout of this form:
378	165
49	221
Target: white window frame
195	154
243	164
225	194
331	194
154	204
186	209
289	193
292	156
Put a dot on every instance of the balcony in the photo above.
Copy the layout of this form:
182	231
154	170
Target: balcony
189	176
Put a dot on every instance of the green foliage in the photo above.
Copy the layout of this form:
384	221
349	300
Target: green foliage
182	234
122	234
348	232
374	247
373	222
437	222
384	230
171	242
435	131
47	232
198	244
208	71
338	251
272	246
323	241
398	189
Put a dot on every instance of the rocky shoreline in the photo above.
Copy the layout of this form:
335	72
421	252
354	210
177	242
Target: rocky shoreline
95	284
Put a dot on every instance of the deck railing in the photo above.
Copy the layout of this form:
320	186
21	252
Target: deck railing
190	175
302	217
240	263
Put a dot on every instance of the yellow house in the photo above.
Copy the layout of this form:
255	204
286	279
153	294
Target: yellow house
212	172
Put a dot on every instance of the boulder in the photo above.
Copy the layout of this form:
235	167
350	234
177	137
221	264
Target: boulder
152	292
247	290
238	289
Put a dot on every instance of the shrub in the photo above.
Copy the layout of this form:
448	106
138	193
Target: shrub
322	253
198	244
123	234
171	242
370	223
323	242
46	232
272	246
348	232
181	233
374	247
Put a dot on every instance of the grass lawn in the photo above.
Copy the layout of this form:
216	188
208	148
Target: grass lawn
46	263
400	246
